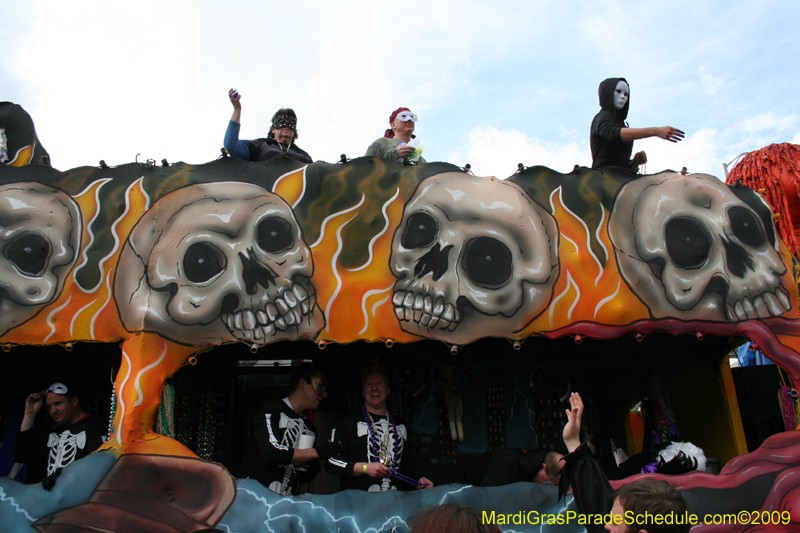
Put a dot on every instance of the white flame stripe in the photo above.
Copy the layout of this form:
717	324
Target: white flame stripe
334	260
92	184
597	233
331	217
140	181
32	146
364	305
50	318
577	296
97	314
570	283
140	396
302	192
607	299
75	317
114	230
384	208
88	245
588	235
380	303
120	400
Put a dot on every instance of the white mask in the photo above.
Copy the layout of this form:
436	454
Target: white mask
621	94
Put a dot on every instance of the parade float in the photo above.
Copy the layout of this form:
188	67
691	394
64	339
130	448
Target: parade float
195	285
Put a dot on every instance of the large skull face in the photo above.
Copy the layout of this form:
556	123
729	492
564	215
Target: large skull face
472	257
40	229
690	249
215	263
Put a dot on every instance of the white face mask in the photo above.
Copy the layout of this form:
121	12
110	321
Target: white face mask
621	94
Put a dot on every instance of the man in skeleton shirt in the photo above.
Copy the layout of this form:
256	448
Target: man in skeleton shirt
75	435
280	451
373	443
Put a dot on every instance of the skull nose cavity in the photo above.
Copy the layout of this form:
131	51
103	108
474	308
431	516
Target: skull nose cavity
434	262
254	273
737	258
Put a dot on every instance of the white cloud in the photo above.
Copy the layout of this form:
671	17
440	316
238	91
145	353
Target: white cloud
768	121
698	152
712	83
796	138
495	152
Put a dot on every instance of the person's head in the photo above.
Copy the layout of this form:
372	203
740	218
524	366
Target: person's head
451	517
653	496
62	404
543	466
621	92
308	388
375	387
401	123
284	126
614	96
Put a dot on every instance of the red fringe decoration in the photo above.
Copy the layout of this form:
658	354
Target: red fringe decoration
776	169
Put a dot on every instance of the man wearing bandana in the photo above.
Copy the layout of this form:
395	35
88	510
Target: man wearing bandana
396	145
282	450
280	141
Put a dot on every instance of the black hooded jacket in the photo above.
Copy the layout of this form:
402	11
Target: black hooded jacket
608	149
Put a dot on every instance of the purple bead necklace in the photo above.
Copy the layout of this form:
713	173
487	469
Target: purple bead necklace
376	451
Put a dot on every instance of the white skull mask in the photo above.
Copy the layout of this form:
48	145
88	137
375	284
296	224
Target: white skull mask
40	230
691	249
472	257
216	263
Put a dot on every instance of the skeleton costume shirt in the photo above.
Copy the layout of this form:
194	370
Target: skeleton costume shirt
608	149
47	455
353	432
268	459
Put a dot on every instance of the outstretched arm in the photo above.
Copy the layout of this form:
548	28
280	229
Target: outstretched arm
668	133
232	144
572	429
235	98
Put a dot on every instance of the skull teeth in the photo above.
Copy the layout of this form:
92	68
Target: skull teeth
424	311
288	310
764	305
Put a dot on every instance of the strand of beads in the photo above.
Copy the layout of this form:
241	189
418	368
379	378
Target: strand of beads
112	411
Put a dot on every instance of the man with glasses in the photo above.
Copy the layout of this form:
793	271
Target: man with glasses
280	141
281	451
75	435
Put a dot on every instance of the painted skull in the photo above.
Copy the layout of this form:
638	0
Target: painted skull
40	231
692	249
473	257
218	262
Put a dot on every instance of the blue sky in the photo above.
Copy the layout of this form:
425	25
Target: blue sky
494	84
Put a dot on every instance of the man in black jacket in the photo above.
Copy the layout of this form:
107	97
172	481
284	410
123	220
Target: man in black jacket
611	139
281	451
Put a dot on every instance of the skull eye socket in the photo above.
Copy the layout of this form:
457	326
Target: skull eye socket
420	231
29	253
688	242
201	262
746	226
274	235
488	262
